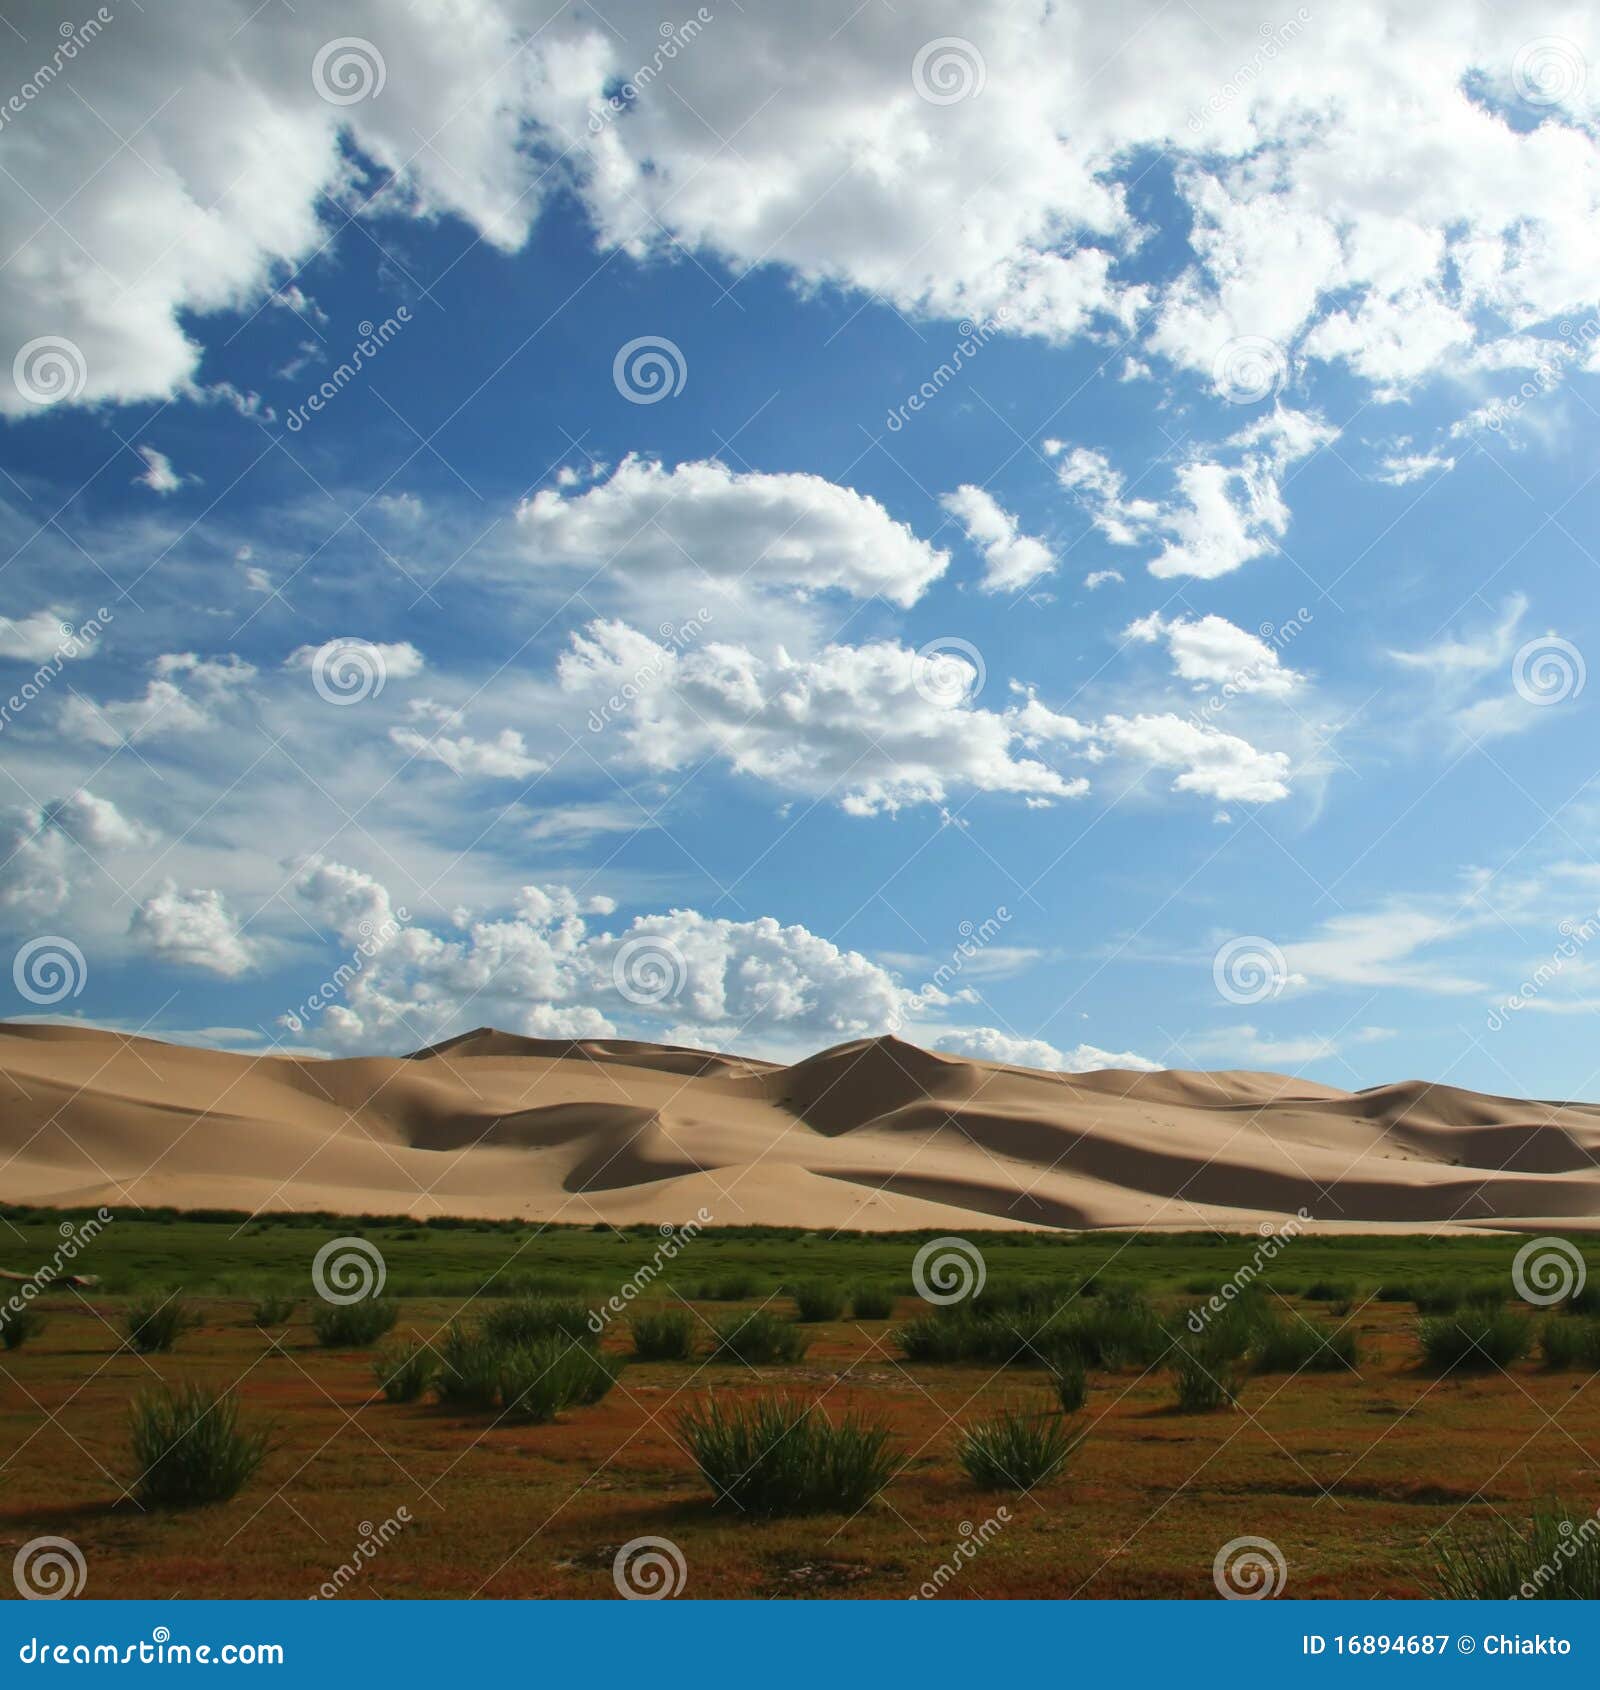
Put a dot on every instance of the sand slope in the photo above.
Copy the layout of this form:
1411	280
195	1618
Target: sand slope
875	1134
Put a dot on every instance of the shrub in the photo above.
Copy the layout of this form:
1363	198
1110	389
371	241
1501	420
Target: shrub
781	1457
26	1323
1205	1381
1394	1291
1475	1339
667	1336
869	1302
758	1338
1570	1341
818	1300
1013	1450
1559	1560
1327	1291
272	1311
1296	1346
352	1326
527	1320
190	1448
469	1369
731	1288
1586	1299
538	1380
1121	1330
1071	1382
1437	1299
405	1371
154	1324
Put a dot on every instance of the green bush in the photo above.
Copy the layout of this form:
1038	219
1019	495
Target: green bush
1567	1341
153	1324
731	1288
1296	1346
1013	1450
871	1302
818	1300
405	1371
667	1336
527	1320
26	1323
352	1326
781	1457
1071	1382
1121	1330
190	1449
272	1311
1436	1299
539	1379
1558	1560
1475	1339
469	1369
1206	1382
1327	1291
758	1339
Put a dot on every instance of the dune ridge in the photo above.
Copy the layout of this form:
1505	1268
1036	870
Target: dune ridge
876	1134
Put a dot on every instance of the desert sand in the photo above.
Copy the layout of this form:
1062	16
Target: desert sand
876	1135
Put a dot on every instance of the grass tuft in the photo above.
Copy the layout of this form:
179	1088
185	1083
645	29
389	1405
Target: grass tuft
405	1372
1015	1450
529	1320
775	1456
190	1448
667	1336
26	1323
272	1311
818	1300
758	1339
1558	1560
1476	1339
154	1323
353	1326
871	1302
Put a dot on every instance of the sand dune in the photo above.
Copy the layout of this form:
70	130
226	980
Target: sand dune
876	1134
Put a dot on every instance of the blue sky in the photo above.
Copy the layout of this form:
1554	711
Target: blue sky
1195	676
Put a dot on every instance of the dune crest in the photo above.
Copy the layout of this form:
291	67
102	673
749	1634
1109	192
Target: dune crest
875	1134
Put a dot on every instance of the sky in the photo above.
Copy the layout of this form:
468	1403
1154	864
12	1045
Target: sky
1063	533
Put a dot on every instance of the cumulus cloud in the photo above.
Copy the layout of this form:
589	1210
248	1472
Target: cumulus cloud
1209	761
505	757
159	475
45	848
184	695
191	929
1011	558
787	531
36	637
990	1044
1206	650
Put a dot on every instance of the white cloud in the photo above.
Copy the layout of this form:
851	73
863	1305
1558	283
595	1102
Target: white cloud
793	531
989	1044
1401	469
1097	578
183	696
45	849
1011	558
505	757
191	929
398	661
1210	649
36	637
159	475
1209	761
